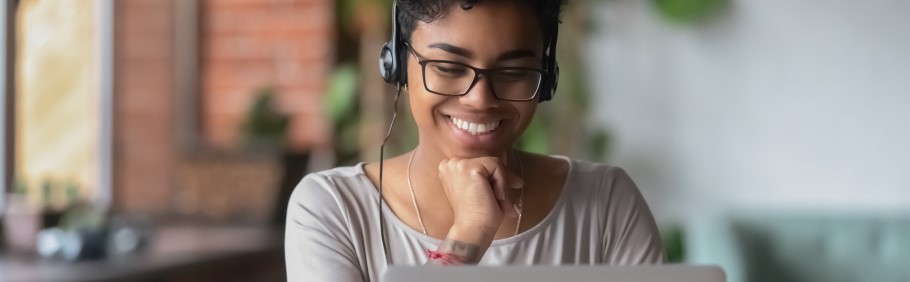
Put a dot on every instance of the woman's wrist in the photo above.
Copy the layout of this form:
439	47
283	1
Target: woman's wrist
475	234
463	245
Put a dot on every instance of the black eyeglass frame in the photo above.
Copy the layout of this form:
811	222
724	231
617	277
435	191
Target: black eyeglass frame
477	73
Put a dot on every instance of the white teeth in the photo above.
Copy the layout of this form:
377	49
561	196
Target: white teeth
474	128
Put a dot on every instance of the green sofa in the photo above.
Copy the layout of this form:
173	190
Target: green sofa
785	248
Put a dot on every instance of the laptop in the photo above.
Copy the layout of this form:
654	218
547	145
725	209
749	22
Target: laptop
651	273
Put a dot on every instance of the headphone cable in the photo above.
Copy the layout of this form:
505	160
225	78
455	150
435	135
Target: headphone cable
381	158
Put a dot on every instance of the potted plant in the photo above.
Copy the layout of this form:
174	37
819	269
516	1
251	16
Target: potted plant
242	185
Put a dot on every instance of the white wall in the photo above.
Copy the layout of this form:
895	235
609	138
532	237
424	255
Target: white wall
777	104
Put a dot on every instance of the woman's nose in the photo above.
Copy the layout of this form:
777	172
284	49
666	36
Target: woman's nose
481	96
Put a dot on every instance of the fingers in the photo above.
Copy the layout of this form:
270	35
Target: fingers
502	181
485	171
515	181
500	185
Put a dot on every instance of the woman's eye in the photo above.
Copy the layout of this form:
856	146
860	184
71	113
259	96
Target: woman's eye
450	70
513	74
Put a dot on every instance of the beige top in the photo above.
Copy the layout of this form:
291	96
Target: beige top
332	230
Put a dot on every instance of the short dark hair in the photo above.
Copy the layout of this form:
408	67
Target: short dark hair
429	10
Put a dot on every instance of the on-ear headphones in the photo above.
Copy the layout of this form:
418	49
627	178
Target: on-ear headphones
393	60
551	66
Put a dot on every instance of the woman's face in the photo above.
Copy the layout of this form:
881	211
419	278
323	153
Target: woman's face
492	34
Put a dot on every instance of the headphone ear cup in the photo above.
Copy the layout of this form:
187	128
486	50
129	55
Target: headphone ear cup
548	86
544	91
554	81
387	63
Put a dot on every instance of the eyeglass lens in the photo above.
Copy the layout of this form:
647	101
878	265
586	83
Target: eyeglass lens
449	78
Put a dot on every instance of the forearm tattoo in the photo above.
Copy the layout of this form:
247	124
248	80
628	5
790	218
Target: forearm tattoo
456	252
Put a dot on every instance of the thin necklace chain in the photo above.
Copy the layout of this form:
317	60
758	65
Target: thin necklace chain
521	197
413	198
423	227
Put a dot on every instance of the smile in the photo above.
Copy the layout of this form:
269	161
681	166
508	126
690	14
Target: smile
475	128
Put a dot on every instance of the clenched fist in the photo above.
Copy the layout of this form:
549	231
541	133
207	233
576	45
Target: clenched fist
481	191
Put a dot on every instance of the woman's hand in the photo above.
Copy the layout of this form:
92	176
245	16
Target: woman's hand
480	191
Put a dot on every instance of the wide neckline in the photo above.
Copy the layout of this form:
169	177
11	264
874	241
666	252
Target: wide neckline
547	220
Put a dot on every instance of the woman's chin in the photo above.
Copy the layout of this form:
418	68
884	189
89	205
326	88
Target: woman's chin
464	152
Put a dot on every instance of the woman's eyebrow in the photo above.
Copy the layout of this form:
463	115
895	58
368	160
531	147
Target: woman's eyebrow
510	55
452	49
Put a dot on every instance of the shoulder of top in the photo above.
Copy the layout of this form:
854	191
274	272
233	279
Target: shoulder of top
332	180
594	175
342	171
594	168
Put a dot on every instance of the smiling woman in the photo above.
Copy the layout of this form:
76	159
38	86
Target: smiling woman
475	73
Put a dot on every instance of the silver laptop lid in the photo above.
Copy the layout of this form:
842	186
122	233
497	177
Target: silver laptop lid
656	273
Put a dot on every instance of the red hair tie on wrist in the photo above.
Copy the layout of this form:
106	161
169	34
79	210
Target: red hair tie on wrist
443	258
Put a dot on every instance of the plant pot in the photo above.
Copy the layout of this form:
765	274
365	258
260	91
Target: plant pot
238	187
21	225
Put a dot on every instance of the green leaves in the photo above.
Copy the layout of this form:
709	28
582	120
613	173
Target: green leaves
341	96
265	127
689	11
674	244
340	103
535	138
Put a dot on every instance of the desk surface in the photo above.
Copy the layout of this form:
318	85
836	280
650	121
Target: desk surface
171	248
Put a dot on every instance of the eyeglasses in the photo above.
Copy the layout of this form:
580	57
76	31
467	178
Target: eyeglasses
456	79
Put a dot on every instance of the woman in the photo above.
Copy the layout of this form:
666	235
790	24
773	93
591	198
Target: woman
464	195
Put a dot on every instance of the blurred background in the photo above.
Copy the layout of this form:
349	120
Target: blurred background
159	140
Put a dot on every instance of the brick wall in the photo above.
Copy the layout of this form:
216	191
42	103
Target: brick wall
244	45
251	44
144	151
